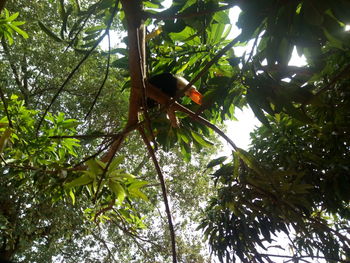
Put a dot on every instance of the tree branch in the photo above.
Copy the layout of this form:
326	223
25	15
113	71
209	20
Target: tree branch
71	74
164	191
105	77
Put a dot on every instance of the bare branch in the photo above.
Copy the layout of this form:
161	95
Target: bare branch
164	191
71	74
104	79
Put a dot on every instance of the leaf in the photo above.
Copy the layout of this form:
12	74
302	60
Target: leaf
137	193
216	161
116	162
82	180
200	140
250	161
118	190
12	17
94	166
137	185
4	139
259	114
71	194
222	17
49	32
94	29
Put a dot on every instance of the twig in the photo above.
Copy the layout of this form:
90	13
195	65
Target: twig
205	122
71	74
2	96
110	255
118	142
105	77
109	207
164	191
86	136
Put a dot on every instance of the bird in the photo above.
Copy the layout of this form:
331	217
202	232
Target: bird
173	85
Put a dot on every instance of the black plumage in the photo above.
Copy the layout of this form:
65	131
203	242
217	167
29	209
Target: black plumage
172	86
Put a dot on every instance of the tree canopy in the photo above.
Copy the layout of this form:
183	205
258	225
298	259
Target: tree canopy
89	173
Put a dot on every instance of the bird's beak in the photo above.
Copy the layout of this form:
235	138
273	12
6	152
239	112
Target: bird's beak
195	95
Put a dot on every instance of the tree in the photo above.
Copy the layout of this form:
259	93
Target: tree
259	193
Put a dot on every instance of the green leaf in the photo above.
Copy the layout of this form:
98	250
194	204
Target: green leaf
259	114
137	185
19	31
72	196
12	17
200	140
222	17
116	162
216	161
235	165
249	160
49	32
82	180
4	139
94	29
94	166
118	190
137	193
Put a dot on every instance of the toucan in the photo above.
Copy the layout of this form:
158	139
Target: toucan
172	85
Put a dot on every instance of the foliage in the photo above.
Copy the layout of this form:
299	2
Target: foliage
58	191
293	180
8	26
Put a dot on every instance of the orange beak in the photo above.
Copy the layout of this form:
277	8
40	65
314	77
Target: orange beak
195	96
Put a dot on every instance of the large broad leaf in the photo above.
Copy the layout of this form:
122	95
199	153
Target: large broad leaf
199	138
82	180
49	32
216	161
118	190
249	160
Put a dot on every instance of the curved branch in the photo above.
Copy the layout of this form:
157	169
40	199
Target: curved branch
71	74
164	191
104	79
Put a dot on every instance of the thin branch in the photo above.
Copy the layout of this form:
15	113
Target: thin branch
2	96
205	122
71	74
110	255
118	143
103	210
86	136
144	87
164	192
105	77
